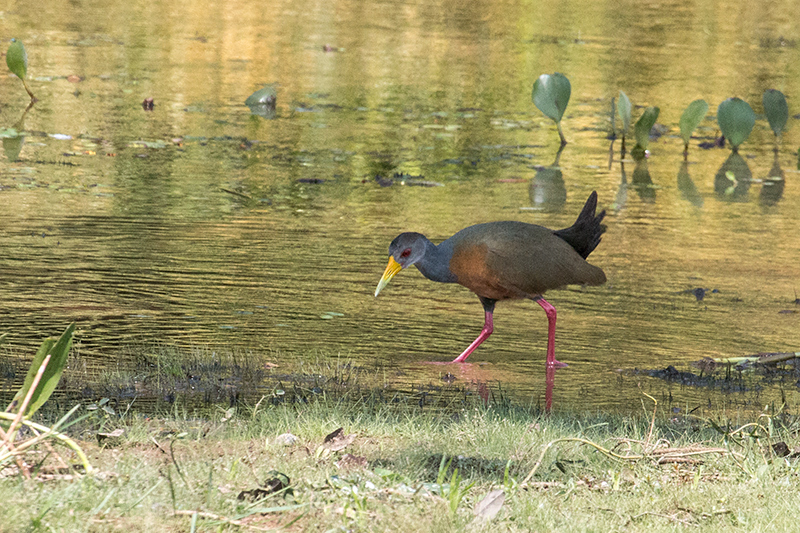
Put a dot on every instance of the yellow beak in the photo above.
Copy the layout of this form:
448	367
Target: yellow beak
391	269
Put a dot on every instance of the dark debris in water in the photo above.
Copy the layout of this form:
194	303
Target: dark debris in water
732	382
777	42
401	178
718	142
699	292
747	374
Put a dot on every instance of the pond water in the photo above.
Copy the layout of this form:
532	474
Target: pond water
202	226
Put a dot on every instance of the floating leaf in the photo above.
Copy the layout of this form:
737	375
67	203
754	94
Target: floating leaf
624	110
17	58
644	125
551	95
776	109
59	351
736	120
263	101
691	118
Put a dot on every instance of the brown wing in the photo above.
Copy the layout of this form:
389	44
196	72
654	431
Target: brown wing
502	260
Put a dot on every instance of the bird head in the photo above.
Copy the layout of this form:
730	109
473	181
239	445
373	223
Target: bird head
405	250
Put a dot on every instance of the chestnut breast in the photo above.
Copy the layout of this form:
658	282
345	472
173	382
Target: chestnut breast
502	260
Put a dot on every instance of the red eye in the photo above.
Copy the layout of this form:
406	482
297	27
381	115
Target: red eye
406	252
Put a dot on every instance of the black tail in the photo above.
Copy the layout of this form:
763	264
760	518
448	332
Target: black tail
584	234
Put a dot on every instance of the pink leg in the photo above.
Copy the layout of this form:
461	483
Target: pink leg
551	332
488	327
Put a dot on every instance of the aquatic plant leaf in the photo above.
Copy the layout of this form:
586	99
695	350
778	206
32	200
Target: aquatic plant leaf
644	125
551	95
736	120
17	58
59	351
624	110
776	109
691	118
266	96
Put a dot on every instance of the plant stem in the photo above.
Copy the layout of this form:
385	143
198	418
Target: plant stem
561	134
30	93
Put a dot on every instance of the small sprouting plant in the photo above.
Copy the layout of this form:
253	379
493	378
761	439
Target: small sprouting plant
17	61
453	492
624	108
551	94
690	119
39	384
642	130
736	120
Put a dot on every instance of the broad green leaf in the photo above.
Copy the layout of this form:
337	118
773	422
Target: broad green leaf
624	109
776	109
59	351
551	95
691	118
736	120
265	96
17	58
644	125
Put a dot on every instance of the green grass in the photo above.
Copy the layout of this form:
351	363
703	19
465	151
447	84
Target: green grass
416	470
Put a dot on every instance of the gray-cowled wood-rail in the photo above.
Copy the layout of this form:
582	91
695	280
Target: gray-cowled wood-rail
506	260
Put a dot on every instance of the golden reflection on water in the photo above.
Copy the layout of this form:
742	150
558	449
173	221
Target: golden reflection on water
198	224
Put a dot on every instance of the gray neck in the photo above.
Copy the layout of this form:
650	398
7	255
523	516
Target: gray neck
435	263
